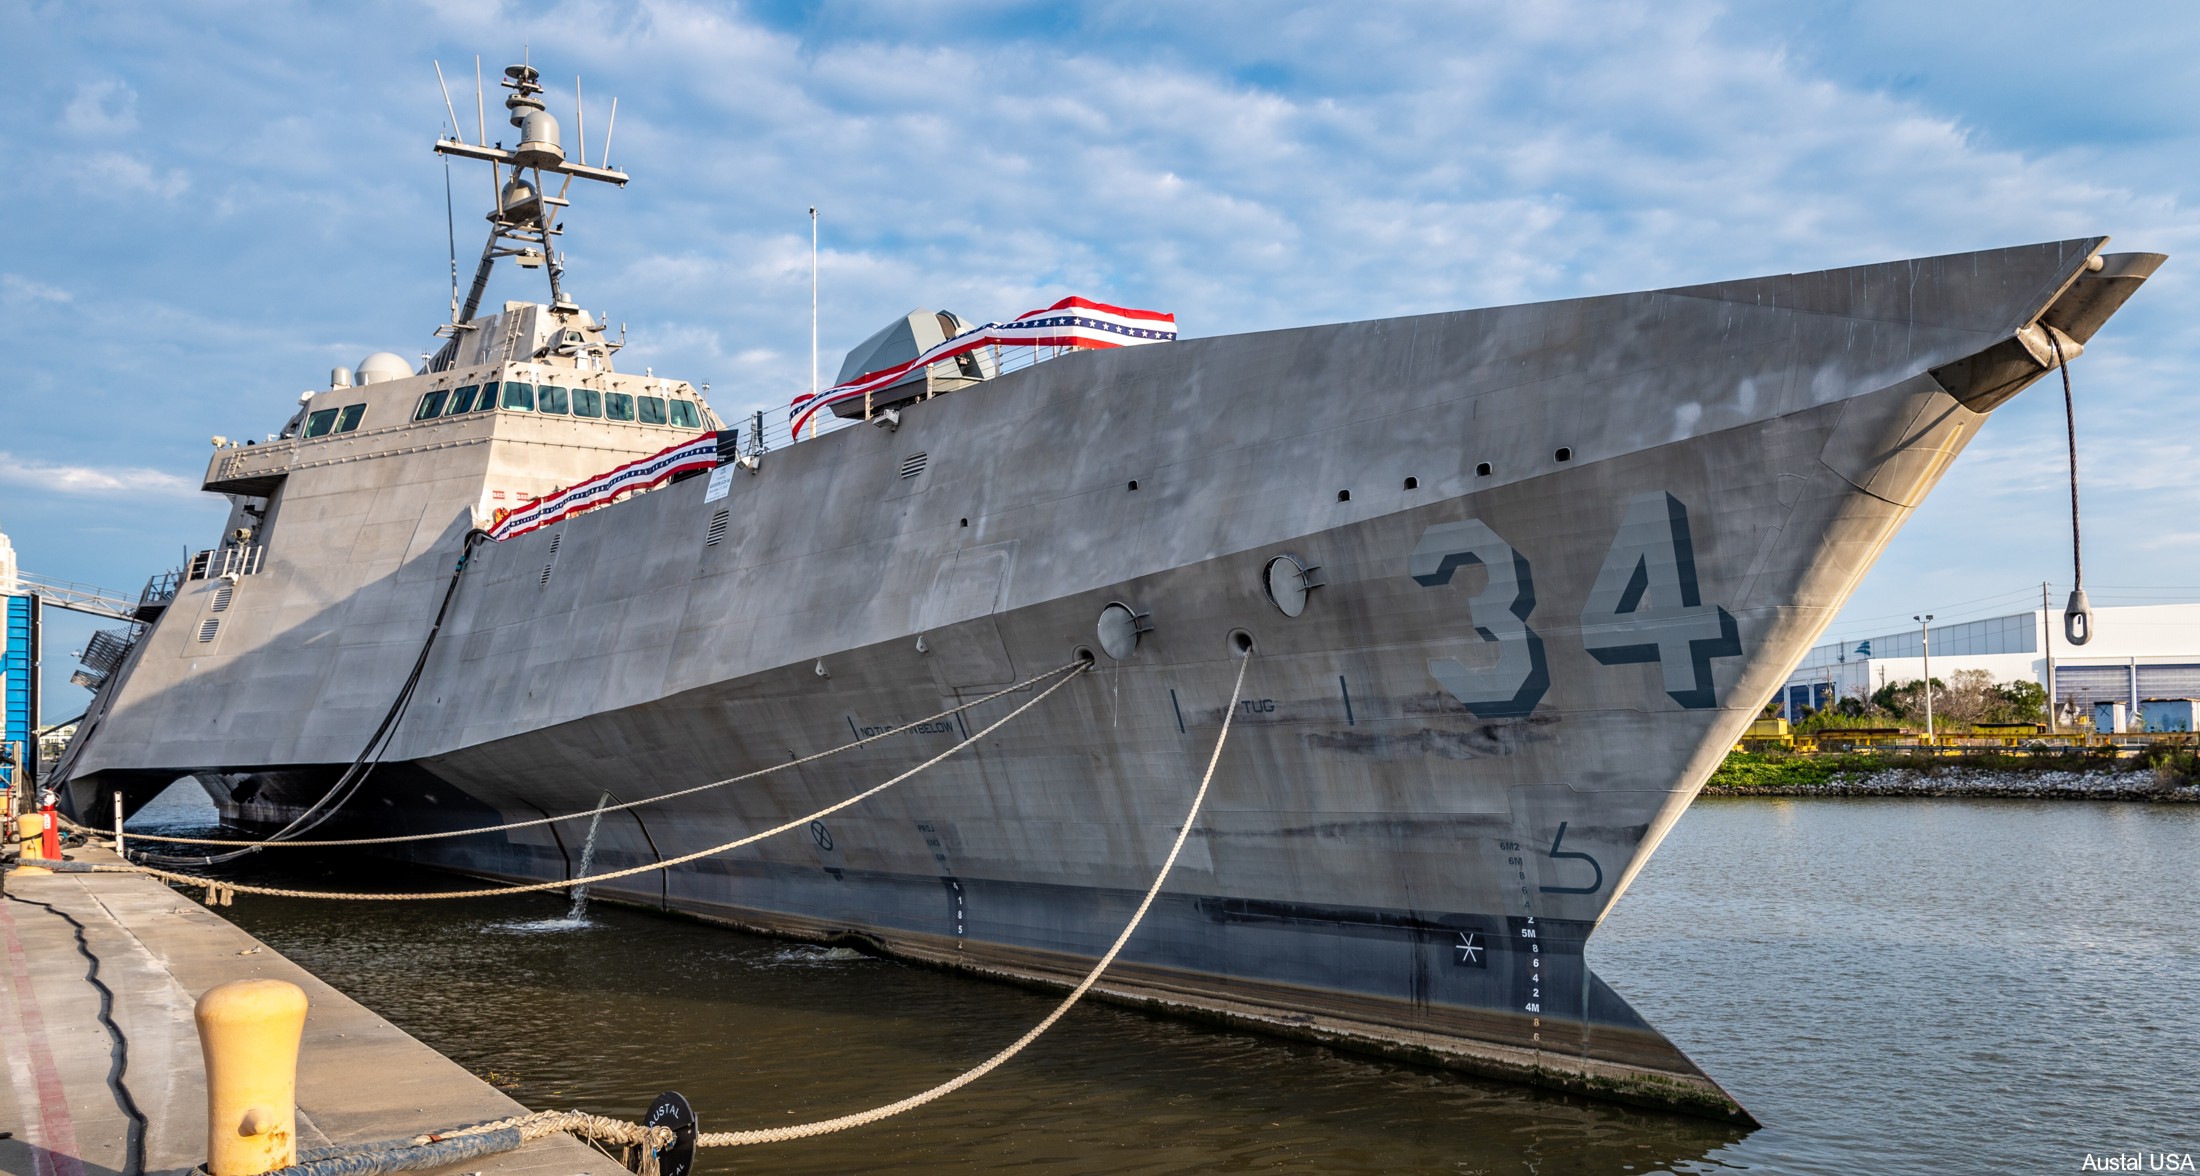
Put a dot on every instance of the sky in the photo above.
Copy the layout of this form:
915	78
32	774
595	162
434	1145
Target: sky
212	204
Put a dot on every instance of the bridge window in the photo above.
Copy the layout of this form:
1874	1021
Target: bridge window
349	420
653	410
319	424
462	399
488	399
519	396
551	399
587	402
685	416
431	405
618	406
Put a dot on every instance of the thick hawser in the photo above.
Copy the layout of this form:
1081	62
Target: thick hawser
1515	579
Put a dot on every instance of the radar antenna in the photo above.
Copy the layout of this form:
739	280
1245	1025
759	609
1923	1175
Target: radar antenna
524	224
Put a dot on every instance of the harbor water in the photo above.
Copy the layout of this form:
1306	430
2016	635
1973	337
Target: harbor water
1898	985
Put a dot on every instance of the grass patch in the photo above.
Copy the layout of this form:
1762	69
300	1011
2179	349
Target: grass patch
1746	771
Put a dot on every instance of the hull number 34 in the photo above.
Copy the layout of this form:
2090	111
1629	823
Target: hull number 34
1646	606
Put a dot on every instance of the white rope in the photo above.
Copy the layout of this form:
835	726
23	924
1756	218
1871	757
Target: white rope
574	816
216	886
860	1118
651	1139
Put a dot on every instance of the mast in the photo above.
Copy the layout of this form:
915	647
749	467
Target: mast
524	224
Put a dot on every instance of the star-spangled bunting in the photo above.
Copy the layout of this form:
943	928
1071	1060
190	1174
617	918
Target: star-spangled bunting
1072	322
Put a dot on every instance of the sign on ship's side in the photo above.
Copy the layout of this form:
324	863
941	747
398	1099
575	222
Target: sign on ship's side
1646	606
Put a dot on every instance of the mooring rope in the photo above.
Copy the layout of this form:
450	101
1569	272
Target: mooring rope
218	889
858	1119
532	822
620	1131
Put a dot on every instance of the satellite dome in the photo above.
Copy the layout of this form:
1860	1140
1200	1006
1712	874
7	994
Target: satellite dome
382	365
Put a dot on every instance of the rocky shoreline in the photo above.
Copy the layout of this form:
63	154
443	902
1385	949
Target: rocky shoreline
2141	785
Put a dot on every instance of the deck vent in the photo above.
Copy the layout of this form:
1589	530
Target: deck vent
717	528
913	465
207	629
222	596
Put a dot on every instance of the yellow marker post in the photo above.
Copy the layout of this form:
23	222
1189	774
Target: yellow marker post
249	1031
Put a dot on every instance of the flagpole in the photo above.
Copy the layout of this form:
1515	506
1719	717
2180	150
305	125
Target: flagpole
813	317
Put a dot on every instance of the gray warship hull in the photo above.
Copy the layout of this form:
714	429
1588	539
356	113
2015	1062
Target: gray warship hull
1547	562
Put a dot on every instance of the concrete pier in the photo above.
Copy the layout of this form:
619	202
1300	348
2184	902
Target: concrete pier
360	1078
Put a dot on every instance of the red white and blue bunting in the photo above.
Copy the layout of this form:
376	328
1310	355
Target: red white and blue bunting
646	473
1072	322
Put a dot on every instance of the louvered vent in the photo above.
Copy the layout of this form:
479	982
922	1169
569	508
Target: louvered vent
554	541
221	597
717	528
207	629
913	465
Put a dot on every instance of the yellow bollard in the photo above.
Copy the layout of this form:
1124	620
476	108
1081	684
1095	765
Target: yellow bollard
249	1030
30	839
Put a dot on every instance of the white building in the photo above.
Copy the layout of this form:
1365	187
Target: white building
2137	652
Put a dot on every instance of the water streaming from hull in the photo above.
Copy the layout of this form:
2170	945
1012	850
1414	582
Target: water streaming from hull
576	912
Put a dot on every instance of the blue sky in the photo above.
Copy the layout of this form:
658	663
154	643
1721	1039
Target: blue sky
209	205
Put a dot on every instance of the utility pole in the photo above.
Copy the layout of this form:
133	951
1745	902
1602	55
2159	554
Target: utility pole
2047	645
1925	639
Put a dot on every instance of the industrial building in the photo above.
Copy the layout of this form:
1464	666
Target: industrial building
2138	652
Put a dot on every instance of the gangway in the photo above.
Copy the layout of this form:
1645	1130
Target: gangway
83	598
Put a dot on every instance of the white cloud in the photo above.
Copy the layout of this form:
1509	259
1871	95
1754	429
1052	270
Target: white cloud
1247	172
90	481
16	290
101	108
111	173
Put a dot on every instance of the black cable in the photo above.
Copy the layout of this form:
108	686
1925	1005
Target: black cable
133	1162
63	723
2078	614
370	756
2070	424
